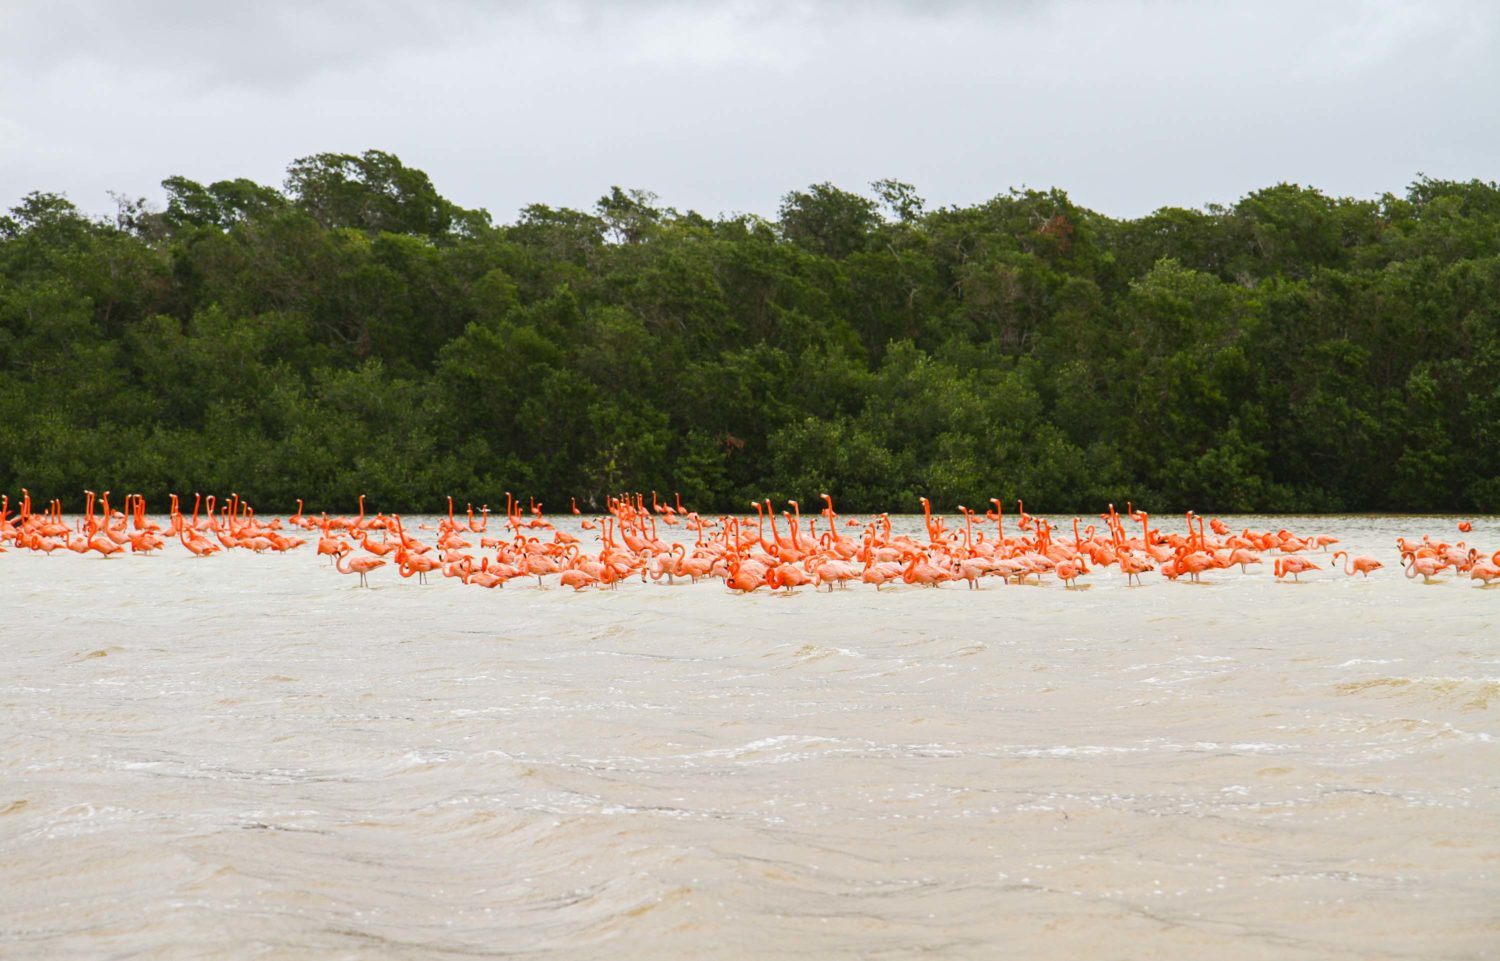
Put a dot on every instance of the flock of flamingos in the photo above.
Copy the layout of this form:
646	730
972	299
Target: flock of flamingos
745	556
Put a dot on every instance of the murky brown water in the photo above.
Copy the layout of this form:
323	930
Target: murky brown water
247	757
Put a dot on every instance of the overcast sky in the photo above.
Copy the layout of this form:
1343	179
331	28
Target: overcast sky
724	107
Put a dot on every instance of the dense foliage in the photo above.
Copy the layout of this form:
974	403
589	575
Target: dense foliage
356	332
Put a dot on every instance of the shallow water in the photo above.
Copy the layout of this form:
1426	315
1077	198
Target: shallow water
248	757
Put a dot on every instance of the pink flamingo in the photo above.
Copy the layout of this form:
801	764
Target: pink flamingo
1357	565
1428	567
359	565
1294	566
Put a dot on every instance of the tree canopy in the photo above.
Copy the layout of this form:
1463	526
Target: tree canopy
353	331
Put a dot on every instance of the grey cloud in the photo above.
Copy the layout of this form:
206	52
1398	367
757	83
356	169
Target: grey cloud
725	106
267	44
279	43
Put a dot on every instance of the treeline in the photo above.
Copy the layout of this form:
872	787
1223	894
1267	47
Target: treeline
355	332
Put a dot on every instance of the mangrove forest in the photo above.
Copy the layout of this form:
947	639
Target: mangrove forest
351	331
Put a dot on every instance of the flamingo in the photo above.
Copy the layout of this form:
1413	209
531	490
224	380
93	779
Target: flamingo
787	575
577	578
695	566
379	550
1242	557
1294	566
971	569
833	571
1428	567
540	565
104	546
46	545
1361	565
880	573
408	564
1487	571
1068	572
196	543
1194	563
746	576
924	572
332	546
358	565
1134	567
484	577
